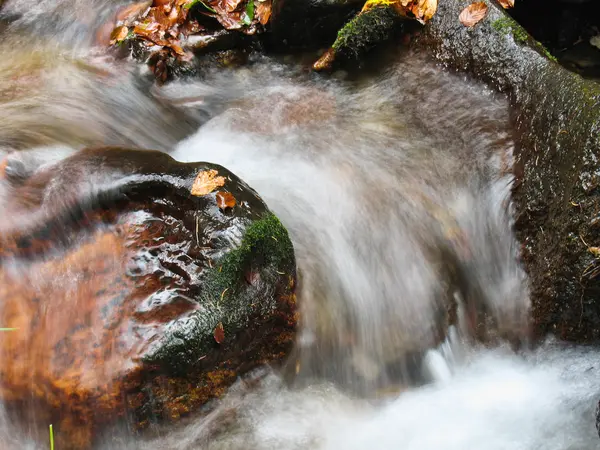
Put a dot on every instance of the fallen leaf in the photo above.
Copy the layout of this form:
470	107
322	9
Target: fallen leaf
473	14
252	278
119	34
206	181
594	251
263	11
231	5
219	333
507	3
422	10
325	62
225	200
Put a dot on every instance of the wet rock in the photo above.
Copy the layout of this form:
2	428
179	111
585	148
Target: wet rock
557	118
129	298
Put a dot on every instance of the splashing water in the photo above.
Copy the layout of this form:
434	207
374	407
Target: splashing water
395	189
396	198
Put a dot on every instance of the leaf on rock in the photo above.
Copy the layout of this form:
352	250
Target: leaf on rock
325	62
119	34
225	200
473	14
232	5
263	11
206	181
507	3
219	333
422	10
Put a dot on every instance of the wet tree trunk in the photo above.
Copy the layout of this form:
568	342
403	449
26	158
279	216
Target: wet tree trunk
557	125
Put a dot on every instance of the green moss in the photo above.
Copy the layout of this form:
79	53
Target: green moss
266	243
228	298
366	30
507	25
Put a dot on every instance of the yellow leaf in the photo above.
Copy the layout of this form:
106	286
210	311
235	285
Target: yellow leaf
206	181
473	14
594	251
422	10
119	34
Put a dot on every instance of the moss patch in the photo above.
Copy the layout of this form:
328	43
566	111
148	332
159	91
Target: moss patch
266	243
366	30
509	26
227	296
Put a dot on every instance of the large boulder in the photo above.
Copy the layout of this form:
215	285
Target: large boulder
125	295
557	118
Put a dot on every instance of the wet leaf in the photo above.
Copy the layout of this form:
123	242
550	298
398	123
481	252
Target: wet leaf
422	10
473	14
119	34
206	181
231	5
219	333
263	11
225	200
594	251
252	278
506	4
325	62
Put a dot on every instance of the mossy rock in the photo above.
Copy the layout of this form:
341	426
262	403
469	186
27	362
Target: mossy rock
556	115
134	298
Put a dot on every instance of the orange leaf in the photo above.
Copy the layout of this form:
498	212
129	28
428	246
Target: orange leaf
473	14
219	333
507	3
225	200
422	10
119	34
325	62
263	11
231	5
206	181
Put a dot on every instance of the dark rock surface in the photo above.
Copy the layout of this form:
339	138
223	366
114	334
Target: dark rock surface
557	117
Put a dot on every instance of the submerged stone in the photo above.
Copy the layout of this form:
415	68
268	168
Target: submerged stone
128	298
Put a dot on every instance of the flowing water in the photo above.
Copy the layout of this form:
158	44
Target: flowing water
395	188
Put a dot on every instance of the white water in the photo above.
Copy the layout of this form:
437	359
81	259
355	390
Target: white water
494	400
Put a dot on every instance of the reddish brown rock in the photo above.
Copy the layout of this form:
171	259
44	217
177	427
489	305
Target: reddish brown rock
115	278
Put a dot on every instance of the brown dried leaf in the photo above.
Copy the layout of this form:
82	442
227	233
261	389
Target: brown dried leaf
225	200
252	278
231	5
219	333
325	62
473	14
263	11
206	181
506	4
119	34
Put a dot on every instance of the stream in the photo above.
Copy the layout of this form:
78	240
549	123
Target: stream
394	185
